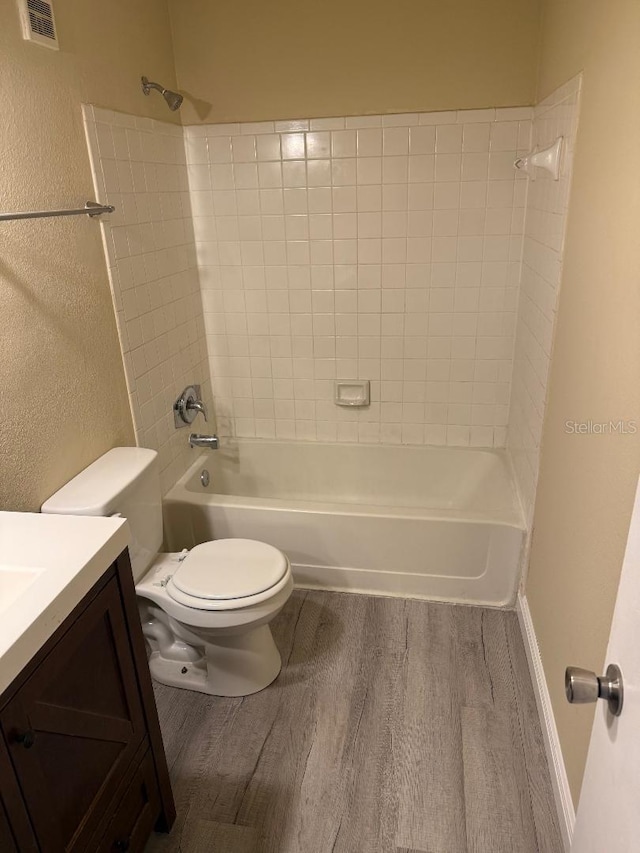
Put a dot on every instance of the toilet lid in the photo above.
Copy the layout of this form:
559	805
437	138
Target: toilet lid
230	568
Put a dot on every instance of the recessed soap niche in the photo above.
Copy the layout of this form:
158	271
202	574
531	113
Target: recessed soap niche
353	393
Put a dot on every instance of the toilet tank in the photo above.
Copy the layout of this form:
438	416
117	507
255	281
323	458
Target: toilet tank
125	481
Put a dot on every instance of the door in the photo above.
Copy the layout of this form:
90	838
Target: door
609	808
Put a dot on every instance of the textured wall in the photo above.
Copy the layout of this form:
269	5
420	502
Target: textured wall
251	60
62	392
587	482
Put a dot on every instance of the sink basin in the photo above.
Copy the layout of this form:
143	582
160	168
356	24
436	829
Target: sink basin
14	580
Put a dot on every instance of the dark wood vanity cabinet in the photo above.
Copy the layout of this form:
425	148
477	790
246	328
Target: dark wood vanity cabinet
82	765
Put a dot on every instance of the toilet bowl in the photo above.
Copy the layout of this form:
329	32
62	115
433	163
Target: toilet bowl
205	616
205	612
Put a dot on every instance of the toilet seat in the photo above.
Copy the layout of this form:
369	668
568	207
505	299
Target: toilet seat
228	574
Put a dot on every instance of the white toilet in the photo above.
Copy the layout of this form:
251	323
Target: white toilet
205	612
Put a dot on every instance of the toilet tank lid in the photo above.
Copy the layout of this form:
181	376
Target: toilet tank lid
98	489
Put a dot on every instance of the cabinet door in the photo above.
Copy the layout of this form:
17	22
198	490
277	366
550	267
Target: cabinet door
7	841
136	813
75	725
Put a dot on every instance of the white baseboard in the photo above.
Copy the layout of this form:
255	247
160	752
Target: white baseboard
559	781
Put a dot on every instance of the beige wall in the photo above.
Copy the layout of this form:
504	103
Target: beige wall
62	389
256	60
587	483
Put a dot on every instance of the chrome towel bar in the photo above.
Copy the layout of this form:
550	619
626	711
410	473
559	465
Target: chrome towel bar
90	209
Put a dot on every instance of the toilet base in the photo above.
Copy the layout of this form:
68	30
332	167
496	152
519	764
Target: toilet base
236	665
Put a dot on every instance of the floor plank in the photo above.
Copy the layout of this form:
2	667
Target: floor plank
428	759
206	836
394	727
484	665
497	803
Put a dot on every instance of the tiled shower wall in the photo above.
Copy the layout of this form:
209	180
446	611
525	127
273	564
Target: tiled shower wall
380	248
139	166
546	215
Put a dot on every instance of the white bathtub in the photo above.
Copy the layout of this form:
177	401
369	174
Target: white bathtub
437	523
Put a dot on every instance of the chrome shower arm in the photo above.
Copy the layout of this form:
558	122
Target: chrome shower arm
148	85
173	99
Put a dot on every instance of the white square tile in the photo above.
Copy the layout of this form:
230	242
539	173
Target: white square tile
475	166
443	117
343	172
422	168
446	196
395	170
395	197
369	224
320	226
245	176
422	140
475	138
479	116
318	145
345	226
448	167
369	198
448	139
269	175
369	251
319	199
319	173
294	173
395	141
297	227
394	224
369	170
420	197
336	123
504	136
268	146
291	125
369	142
248	202
219	149
363	121
243	149
292	145
344	199
343	143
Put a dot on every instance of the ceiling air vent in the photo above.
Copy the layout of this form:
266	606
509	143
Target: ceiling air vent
38	22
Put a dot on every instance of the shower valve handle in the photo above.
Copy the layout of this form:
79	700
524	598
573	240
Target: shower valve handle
188	406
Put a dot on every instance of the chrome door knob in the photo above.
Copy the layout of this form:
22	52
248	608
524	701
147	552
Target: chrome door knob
582	685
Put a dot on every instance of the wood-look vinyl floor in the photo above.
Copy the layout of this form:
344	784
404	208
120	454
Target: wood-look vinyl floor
395	726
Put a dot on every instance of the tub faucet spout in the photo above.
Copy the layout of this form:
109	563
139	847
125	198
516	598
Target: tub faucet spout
210	441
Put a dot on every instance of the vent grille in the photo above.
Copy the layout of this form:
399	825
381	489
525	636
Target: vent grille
38	22
41	18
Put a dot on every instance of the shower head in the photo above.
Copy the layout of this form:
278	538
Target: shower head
173	99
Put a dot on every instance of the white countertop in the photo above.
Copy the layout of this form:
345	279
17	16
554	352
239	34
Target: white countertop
70	553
